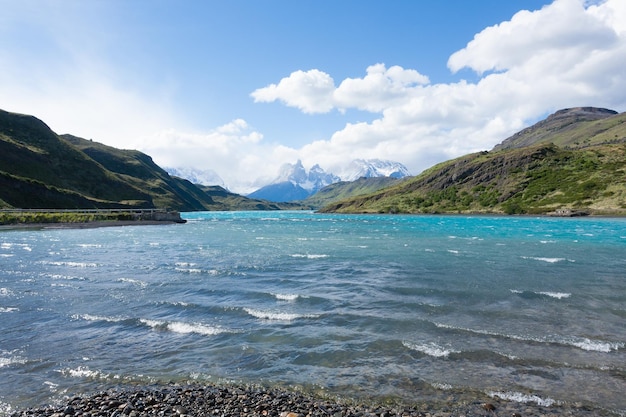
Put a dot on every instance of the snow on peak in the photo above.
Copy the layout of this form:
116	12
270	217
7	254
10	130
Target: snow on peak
369	168
197	176
312	181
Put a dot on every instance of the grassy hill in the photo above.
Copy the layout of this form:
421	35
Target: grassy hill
346	189
40	169
527	174
227	201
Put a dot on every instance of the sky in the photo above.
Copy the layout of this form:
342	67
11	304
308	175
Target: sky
240	87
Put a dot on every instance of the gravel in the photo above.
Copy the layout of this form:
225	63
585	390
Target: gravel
254	401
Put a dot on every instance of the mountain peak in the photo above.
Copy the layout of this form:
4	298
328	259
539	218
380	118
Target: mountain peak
561	121
371	168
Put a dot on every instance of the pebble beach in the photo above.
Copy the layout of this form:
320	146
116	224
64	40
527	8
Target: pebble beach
255	401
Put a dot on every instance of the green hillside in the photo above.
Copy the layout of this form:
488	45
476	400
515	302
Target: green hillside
227	201
40	169
573	128
346	189
534	178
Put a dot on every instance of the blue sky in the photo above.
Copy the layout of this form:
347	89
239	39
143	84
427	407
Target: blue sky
242	87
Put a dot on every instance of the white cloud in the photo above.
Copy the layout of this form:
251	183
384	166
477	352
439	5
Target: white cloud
309	91
235	151
564	55
569	53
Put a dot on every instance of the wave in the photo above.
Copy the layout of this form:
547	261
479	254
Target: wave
431	349
548	260
308	256
182	327
85	372
90	317
133	281
5	292
553	294
288	297
72	264
558	295
579	342
9	358
522	398
279	316
197	270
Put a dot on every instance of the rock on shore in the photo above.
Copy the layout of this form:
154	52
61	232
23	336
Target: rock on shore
238	401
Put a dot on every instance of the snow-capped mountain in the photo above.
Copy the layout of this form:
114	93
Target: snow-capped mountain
197	176
315	179
370	168
295	183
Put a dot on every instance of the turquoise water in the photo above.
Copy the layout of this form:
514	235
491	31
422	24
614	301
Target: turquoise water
407	307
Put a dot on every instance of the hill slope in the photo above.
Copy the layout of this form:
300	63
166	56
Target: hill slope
534	177
40	169
577	127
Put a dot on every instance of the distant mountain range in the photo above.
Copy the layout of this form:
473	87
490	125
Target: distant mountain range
295	183
197	176
571	163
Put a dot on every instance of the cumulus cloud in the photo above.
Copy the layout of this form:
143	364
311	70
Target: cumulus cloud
566	54
235	151
309	91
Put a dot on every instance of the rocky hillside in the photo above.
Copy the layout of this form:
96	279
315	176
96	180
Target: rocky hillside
526	174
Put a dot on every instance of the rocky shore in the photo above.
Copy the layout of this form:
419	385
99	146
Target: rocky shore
253	401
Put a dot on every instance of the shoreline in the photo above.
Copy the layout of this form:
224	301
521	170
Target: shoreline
225	400
84	225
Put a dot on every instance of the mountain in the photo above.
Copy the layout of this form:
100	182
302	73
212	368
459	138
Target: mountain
40	169
372	168
573	162
345	189
571	128
295	183
227	201
197	176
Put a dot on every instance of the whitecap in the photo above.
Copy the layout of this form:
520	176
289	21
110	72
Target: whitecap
276	315
309	256
91	317
431	349
9	358
5	292
286	297
581	343
549	260
83	372
183	328
137	282
558	295
8	309
522	398
453	251
74	264
596	345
